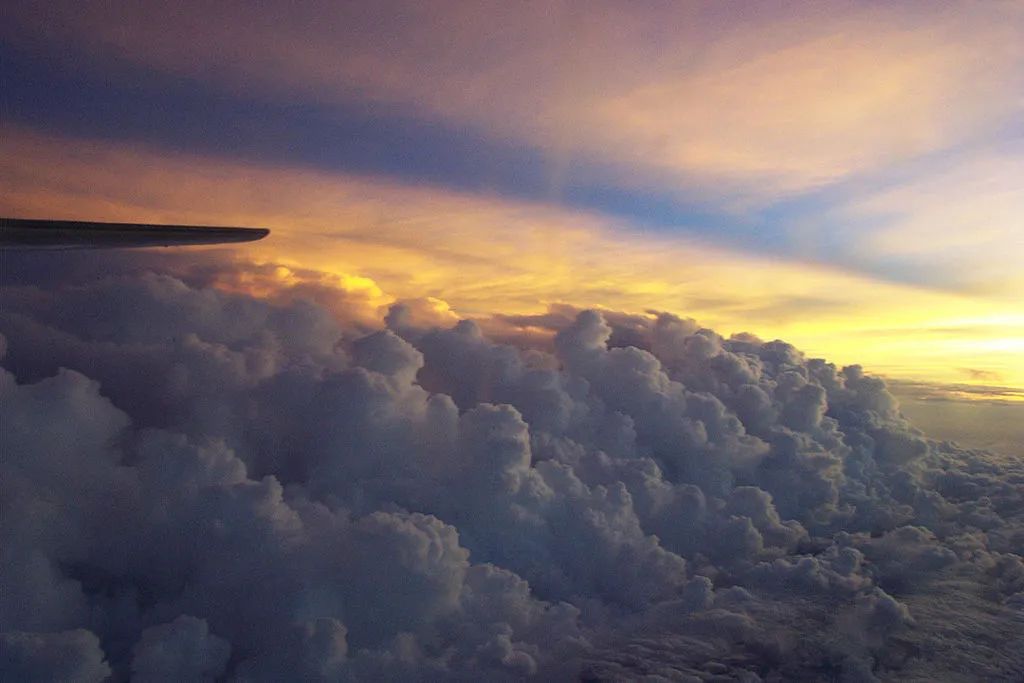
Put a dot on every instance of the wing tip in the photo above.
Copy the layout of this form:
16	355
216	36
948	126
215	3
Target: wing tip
35	233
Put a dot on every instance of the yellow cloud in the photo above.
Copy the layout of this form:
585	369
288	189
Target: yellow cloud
483	255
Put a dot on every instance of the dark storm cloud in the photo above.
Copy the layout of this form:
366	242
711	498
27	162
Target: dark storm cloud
202	484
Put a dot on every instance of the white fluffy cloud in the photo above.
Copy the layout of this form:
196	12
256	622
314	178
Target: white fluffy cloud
204	485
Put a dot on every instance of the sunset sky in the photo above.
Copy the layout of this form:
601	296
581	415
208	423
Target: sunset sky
845	175
597	340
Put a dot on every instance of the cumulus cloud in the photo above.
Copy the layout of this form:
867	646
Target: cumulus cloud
203	481
61	656
182	650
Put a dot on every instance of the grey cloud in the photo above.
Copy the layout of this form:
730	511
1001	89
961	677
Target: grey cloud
199	484
64	656
183	649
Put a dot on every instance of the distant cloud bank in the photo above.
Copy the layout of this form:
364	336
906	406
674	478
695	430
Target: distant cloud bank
202	484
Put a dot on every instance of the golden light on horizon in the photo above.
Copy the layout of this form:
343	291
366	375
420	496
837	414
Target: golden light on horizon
476	256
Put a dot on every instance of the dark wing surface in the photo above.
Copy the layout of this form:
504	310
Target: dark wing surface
24	233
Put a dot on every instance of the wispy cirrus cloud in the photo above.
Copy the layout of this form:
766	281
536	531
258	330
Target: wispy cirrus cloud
812	131
759	96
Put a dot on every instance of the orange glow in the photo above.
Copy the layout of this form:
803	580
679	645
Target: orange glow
464	255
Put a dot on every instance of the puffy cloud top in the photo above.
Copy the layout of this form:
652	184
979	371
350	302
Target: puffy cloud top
204	485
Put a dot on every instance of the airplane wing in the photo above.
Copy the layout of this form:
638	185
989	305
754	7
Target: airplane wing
24	233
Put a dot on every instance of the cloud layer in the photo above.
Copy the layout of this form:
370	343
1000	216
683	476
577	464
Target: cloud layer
759	99
204	484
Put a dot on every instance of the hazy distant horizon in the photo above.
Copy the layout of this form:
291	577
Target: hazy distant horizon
998	427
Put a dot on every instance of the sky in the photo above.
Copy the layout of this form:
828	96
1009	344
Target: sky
593	341
842	175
